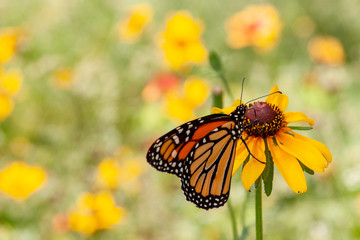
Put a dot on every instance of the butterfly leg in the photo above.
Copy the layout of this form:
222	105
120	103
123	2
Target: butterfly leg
250	152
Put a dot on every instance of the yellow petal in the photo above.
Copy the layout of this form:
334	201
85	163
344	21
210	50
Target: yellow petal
278	99
302	150
173	55
226	110
289	168
241	154
195	52
178	108
10	82
83	223
19	181
297	117
320	146
254	168
196	90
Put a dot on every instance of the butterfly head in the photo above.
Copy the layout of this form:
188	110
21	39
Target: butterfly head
239	113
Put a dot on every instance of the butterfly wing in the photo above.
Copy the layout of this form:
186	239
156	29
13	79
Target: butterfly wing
170	152
208	169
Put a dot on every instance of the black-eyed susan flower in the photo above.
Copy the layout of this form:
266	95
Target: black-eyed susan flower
181	40
291	152
133	25
257	25
19	180
94	212
326	50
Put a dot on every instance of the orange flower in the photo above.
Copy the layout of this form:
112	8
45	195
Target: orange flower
327	50
158	86
257	26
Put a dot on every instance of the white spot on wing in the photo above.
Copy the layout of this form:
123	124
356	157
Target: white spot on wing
176	139
174	154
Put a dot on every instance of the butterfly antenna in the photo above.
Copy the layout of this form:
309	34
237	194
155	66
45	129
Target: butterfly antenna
242	89
263	96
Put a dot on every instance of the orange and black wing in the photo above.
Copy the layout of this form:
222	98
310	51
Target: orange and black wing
208	168
171	152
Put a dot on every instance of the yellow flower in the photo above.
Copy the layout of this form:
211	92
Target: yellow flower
256	25
181	40
113	172
10	82
63	78
8	41
138	17
19	181
327	50
82	222
180	106
95	212
108	173
288	149
130	170
6	105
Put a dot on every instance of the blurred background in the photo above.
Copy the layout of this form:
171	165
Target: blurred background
87	86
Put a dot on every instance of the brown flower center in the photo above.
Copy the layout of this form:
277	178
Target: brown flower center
263	119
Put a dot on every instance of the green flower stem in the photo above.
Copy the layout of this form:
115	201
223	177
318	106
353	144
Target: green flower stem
258	210
217	97
233	220
227	88
216	64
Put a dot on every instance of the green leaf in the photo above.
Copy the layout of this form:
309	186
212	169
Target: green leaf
215	61
306	169
268	173
300	128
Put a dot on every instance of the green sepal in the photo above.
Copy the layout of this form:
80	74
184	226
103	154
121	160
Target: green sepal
215	62
268	173
306	169
300	128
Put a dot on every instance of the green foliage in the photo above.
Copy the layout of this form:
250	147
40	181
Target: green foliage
68	132
268	173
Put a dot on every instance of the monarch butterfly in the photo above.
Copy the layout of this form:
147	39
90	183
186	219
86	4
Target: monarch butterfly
201	153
